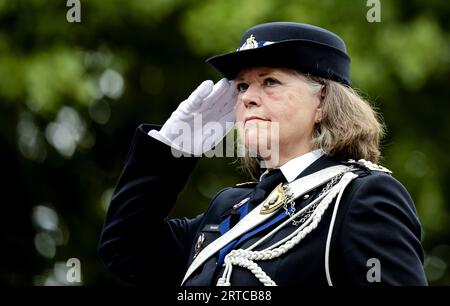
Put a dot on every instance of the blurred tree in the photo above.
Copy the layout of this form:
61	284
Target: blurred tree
71	95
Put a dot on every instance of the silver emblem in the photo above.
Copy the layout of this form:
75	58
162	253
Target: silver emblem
199	244
250	43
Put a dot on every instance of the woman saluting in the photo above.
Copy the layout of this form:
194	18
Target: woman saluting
321	212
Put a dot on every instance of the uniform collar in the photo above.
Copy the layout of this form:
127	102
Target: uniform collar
292	169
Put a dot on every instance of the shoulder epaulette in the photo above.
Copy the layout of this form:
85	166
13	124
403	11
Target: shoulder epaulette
246	184
368	165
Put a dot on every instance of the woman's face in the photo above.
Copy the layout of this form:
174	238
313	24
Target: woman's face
273	95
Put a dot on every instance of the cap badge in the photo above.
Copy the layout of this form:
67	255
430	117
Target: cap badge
250	43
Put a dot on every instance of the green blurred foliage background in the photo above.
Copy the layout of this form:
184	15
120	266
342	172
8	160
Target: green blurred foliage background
72	94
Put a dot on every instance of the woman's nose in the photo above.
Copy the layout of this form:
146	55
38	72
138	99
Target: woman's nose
251	96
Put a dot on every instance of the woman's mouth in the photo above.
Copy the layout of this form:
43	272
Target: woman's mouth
252	118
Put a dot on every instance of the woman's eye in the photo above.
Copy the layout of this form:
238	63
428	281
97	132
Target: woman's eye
271	82
241	87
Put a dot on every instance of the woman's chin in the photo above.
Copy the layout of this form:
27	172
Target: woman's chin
256	147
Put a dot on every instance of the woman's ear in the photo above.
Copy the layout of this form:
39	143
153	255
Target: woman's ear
318	116
320	95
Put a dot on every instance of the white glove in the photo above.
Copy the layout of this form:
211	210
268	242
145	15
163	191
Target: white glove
201	121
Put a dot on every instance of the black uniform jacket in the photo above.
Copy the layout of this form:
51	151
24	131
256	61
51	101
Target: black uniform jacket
376	228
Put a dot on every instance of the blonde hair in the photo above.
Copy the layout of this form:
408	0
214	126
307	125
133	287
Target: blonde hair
350	127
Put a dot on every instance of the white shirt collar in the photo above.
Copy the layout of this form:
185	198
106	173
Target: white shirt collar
295	166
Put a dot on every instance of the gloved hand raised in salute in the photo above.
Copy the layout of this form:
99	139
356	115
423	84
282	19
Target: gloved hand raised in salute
200	122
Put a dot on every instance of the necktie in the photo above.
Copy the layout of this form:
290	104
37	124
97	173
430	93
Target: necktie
268	182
